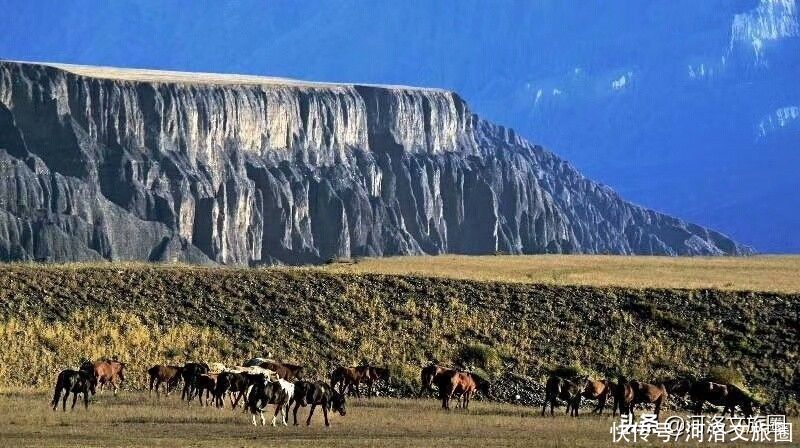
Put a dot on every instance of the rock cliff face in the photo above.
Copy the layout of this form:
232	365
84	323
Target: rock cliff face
136	165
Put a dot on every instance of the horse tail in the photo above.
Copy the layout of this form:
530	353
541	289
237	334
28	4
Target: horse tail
57	392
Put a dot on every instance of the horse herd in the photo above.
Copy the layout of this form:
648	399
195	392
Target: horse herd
260	382
627	394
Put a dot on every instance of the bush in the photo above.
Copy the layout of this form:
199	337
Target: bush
480	355
726	375
567	371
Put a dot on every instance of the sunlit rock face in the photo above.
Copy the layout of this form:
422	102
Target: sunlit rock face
121	165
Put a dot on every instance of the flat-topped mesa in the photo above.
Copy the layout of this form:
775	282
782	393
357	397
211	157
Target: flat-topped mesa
204	114
103	163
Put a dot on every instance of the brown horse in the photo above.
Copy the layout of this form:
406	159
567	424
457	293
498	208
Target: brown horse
558	388
348	379
599	390
648	393
107	371
352	377
168	375
288	372
376	374
727	395
451	383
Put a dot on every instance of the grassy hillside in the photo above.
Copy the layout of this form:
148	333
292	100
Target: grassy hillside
52	316
762	273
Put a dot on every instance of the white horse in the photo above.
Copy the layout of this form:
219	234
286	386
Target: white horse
278	392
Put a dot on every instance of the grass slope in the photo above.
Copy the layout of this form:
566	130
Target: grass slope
761	273
52	316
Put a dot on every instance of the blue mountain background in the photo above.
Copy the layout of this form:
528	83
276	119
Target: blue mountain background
687	107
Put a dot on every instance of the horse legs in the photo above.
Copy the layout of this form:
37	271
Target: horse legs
296	407
325	414
466	396
310	413
238	397
114	386
64	401
278	408
369	389
153	381
74	399
598	408
658	408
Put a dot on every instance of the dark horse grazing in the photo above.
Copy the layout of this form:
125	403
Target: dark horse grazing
75	382
727	395
168	375
630	393
350	378
599	390
190	372
558	388
451	383
317	394
107	371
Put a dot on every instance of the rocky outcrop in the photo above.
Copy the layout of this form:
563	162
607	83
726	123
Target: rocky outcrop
124	165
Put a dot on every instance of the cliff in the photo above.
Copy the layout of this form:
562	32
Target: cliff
140	165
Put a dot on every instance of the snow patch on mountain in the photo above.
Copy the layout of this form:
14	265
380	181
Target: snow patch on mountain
778	119
700	71
621	82
771	20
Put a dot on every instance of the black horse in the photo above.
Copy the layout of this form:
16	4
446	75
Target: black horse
558	388
235	383
75	382
191	370
317	394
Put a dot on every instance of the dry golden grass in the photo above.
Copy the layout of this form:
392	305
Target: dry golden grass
134	419
760	273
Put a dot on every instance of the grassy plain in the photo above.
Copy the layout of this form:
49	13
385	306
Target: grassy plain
757	273
52	317
134	419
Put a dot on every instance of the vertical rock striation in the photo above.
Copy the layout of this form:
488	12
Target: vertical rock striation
135	165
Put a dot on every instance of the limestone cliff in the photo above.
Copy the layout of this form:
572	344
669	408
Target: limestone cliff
141	165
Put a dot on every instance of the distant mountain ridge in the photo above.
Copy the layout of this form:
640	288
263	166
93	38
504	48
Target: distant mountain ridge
147	166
